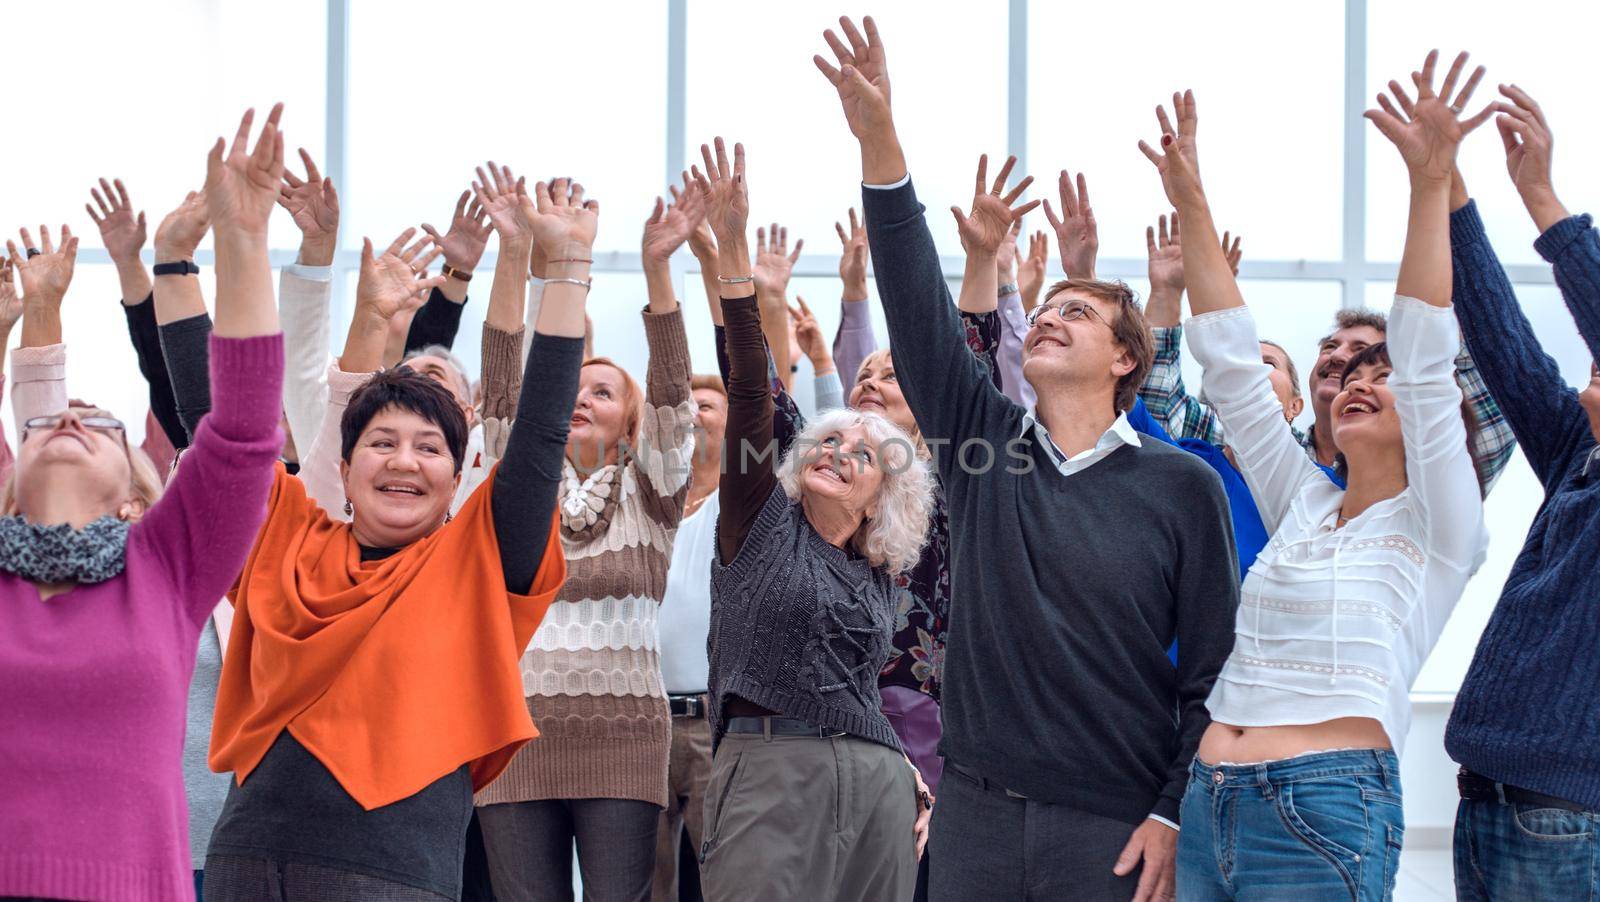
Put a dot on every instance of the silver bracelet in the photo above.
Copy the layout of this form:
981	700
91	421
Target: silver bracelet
586	283
737	280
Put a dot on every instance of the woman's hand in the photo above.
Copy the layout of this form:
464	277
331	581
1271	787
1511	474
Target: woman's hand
702	242
564	224
988	224
469	232
505	199
45	276
1031	271
314	204
122	233
774	262
10	302
808	335
1076	231
670	226
1178	161
395	281
727	193
182	230
853	254
1428	132
242	186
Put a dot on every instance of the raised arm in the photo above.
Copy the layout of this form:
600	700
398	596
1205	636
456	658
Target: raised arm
809	336
1031	270
38	378
305	295
855	339
10	313
666	435
439	320
180	308
774	264
1163	391
1076	232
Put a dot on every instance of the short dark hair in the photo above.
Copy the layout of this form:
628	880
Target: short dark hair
1378	355
1351	317
1130	330
405	389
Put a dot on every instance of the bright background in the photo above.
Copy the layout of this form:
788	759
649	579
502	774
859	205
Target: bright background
399	99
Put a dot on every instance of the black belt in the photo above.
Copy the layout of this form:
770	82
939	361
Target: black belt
687	705
1478	788
779	726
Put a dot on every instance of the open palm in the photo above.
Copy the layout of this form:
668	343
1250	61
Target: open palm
988	224
311	201
10	302
563	222
864	94
670	226
243	185
1428	132
48	274
389	283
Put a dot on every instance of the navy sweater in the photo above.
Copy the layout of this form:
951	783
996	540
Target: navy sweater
1529	710
1066	590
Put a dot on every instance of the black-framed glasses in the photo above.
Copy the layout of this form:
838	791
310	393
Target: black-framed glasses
1067	310
105	425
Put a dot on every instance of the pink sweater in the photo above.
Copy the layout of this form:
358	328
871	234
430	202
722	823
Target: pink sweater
93	683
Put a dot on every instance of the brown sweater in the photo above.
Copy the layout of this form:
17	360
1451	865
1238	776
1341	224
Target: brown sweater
591	675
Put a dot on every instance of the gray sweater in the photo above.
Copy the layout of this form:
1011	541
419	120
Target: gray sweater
205	790
1067	590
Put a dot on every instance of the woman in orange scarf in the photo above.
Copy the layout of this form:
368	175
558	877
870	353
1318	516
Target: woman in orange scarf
372	682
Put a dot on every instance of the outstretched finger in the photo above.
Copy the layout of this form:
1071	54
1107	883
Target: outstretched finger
711	174
46	246
827	70
798	244
1050	215
1161	223
1025	209
1161	118
399	244
858	44
95	218
122	193
1424	79
658	212
1508	132
1383	101
241	137
1523	100
1069	195
105	209
110	197
843	238
312	175
1468	125
840	51
722	155
1004	174
1011	197
1451	75
761	240
1176	233
1083	193
1150	236
461	204
1467	90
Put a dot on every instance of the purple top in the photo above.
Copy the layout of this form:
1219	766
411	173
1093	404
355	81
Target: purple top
853	342
96	680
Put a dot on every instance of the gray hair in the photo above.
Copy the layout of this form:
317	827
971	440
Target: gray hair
463	384
893	537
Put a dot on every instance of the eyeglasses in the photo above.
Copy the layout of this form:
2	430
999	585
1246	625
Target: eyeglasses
104	425
1067	310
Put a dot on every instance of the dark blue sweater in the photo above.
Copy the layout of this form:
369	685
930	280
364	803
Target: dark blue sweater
1066	591
1528	713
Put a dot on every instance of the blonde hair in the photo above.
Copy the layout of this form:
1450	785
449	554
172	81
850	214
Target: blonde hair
712	382
893	537
145	485
878	357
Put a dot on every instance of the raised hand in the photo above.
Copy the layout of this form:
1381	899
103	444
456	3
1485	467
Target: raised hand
988	224
469	233
122	233
242	185
774	262
505	199
314	204
1031	270
853	252
182	230
1428	132
1178	161
808	334
702	242
1528	142
1165	250
1233	253
727	193
1005	259
396	280
862	78
46	275
10	301
1076	232
564	224
670	226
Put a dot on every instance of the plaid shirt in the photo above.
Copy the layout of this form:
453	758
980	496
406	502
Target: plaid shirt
1186	417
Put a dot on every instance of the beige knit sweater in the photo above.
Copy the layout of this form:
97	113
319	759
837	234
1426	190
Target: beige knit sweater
591	674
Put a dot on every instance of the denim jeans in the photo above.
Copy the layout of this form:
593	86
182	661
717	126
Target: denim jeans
1525	852
1326	826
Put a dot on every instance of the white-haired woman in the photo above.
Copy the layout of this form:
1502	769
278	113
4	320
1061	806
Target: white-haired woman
802	619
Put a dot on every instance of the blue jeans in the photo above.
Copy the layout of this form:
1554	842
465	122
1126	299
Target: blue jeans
1525	852
1315	827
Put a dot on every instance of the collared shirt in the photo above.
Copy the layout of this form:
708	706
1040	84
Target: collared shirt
1121	433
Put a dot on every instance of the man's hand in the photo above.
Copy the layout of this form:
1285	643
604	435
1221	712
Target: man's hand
242	185
1075	229
314	204
395	281
1428	133
670	226
853	252
862	81
1031	271
774	262
122	233
1528	142
45	276
469	234
1156	845
988	224
182	230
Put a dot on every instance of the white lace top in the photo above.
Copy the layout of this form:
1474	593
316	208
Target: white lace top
1336	622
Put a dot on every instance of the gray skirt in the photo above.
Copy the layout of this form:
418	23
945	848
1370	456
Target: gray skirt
798	817
235	878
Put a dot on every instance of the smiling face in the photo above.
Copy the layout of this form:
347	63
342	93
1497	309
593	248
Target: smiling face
92	464
877	390
1335	352
1084	351
1365	422
445	373
1282	379
400	479
600	417
843	469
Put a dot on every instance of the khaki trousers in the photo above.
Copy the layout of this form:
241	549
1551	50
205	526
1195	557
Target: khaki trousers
688	773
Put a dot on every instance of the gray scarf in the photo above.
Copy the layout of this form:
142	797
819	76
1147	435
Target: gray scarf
61	554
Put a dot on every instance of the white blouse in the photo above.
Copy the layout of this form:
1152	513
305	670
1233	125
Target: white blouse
1336	622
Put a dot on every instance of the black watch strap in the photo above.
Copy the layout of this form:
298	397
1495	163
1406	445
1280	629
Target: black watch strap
180	268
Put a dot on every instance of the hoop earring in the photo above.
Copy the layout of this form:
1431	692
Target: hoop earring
349	509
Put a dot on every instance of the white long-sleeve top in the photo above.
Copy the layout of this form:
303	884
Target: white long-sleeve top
1336	622
304	293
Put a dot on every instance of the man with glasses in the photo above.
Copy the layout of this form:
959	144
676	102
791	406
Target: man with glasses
1079	552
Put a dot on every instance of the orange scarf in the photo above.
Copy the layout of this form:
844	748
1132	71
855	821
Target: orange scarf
393	673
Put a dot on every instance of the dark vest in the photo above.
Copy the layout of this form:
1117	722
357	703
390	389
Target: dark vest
800	627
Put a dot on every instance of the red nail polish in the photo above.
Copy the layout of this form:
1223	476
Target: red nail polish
1166	140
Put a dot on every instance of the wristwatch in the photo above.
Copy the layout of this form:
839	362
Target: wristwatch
179	268
454	273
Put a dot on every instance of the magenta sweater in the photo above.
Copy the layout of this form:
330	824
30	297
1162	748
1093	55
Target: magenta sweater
93	683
